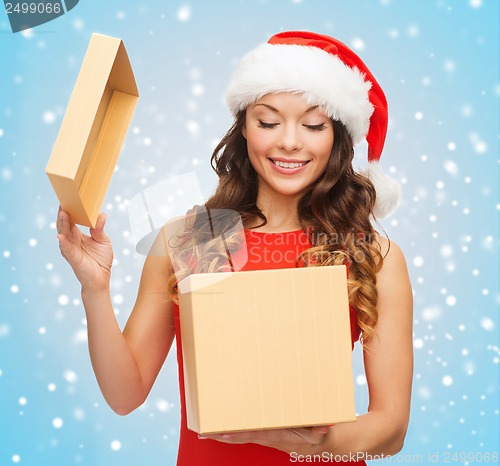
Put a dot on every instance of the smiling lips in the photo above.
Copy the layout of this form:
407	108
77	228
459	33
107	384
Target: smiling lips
288	167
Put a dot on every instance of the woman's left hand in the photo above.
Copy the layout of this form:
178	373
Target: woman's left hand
282	439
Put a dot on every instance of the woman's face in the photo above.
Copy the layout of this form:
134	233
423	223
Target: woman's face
289	142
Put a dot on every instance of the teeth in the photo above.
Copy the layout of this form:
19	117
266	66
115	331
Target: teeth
288	165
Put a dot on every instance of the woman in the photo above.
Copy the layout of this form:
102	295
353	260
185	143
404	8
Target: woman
300	103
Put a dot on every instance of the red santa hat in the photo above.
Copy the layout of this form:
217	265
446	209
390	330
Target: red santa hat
328	74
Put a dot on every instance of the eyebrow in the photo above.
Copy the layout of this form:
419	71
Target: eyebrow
270	107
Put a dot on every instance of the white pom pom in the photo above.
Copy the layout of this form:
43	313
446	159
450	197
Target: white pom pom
387	188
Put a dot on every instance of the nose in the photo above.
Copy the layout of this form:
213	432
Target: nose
290	139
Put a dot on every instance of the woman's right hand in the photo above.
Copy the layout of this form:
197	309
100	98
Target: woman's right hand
90	257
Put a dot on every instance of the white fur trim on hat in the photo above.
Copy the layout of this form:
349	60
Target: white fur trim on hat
322	77
387	188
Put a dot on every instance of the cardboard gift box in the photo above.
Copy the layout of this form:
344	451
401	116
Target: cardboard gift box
93	129
266	349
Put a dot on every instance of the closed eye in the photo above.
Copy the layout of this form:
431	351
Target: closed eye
263	124
320	127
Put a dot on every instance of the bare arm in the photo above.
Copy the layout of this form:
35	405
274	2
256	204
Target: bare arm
389	370
125	364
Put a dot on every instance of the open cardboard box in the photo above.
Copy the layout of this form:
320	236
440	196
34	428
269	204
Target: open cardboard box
266	349
93	129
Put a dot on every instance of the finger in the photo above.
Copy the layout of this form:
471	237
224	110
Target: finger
320	430
63	242
316	433
67	249
58	217
97	233
234	437
65	226
312	435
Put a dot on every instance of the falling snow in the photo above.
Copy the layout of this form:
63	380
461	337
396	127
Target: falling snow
57	423
358	44
48	117
184	14
447	380
116	445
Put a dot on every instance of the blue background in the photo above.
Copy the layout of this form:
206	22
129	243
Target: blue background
437	61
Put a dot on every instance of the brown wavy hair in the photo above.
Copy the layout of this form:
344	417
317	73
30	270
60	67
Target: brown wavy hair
334	212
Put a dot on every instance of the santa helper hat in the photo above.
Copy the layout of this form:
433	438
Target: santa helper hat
328	74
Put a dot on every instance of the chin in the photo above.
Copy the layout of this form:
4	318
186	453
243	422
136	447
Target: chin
291	191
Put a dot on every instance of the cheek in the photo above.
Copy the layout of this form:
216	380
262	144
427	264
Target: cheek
258	144
328	145
323	149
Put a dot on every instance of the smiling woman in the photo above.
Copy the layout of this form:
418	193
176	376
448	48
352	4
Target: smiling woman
300	103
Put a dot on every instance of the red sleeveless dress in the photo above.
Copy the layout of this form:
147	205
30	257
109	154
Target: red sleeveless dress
265	251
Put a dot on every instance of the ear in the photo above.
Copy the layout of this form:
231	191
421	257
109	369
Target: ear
244	130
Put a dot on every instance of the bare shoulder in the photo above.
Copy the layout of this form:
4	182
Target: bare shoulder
393	281
393	257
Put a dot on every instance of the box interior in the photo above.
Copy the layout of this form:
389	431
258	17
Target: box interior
103	148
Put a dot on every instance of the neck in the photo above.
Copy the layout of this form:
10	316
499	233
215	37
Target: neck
280	211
